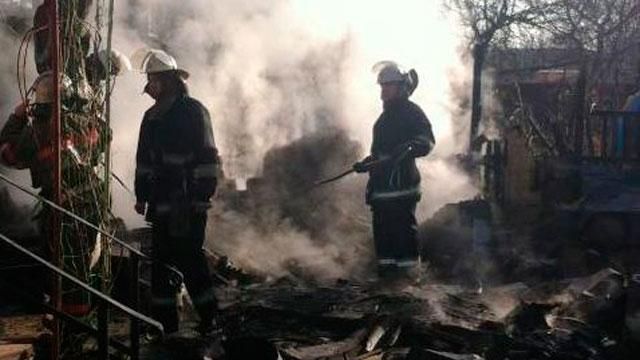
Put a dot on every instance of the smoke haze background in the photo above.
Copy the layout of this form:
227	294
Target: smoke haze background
274	71
10	38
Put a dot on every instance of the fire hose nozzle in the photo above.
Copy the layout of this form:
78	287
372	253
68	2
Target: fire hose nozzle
362	166
367	164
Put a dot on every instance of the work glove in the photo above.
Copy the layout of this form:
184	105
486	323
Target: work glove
364	165
140	207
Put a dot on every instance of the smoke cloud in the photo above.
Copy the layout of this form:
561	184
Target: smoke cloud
279	75
14	20
288	75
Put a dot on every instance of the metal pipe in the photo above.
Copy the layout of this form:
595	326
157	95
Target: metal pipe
107	152
131	249
134	295
106	136
103	331
127	310
70	321
70	214
56	228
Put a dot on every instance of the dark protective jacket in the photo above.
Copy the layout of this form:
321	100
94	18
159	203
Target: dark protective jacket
30	147
176	161
401	123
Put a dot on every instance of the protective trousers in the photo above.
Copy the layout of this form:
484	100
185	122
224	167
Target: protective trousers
182	249
395	235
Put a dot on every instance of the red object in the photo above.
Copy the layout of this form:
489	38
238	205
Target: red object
93	136
8	155
76	309
45	154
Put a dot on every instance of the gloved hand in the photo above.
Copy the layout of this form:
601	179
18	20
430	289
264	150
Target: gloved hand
363	166
140	207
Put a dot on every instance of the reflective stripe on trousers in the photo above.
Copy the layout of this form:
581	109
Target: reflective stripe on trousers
392	195
401	263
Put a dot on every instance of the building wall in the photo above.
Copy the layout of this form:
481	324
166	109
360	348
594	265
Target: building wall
519	172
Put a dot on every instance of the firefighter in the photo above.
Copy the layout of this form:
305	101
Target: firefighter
96	66
176	167
401	134
25	142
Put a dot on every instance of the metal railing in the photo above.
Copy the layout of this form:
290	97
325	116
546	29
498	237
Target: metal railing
132	250
102	332
135	257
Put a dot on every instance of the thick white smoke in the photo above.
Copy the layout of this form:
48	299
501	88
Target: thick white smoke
416	34
13	19
273	71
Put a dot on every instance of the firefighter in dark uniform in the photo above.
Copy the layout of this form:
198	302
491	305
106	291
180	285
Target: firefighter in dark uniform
176	166
401	134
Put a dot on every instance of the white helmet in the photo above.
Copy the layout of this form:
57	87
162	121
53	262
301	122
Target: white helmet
390	72
43	88
152	61
119	62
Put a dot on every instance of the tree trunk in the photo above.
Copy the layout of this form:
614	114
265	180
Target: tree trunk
479	54
581	94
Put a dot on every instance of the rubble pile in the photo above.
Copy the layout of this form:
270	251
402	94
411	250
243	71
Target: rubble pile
582	318
281	224
285	187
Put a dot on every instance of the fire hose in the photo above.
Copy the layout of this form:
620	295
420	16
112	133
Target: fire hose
367	166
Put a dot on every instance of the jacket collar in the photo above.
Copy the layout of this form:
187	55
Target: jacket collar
160	108
395	104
